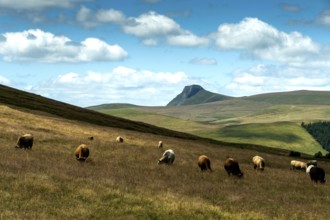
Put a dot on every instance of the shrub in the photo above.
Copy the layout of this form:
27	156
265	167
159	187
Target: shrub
294	154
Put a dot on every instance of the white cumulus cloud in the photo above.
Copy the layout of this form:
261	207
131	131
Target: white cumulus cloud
268	78
121	84
150	24
263	41
37	45
151	27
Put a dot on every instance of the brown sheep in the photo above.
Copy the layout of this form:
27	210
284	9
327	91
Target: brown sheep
298	165
232	167
82	152
119	139
160	144
204	163
258	163
25	141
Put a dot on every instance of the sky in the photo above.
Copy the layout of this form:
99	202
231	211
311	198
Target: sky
144	52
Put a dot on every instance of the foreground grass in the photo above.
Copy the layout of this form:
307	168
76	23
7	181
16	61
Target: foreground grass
123	181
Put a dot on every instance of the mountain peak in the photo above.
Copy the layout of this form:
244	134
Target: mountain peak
190	91
195	94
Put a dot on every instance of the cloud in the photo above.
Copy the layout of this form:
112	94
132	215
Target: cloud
324	18
122	84
269	78
37	45
4	80
37	4
89	18
260	40
151	24
151	27
187	39
289	7
203	61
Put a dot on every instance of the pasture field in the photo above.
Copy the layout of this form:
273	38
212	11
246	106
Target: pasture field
123	181
237	121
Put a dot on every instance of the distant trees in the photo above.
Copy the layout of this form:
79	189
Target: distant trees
321	133
294	154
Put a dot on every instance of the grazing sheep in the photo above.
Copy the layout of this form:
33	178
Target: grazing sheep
167	158
204	163
25	141
119	139
298	165
82	152
160	144
258	163
232	167
316	174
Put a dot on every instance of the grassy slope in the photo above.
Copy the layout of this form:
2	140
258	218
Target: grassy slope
19	99
123	181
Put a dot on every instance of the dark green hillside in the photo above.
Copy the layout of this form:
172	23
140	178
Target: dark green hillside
195	94
301	97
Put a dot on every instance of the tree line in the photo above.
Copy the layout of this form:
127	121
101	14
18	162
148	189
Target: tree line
321	133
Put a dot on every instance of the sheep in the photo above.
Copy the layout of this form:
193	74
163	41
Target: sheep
119	139
258	163
81	152
232	167
167	158
204	163
316	173
25	141
298	165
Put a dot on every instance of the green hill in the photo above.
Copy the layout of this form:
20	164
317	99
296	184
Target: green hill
195	94
301	97
242	116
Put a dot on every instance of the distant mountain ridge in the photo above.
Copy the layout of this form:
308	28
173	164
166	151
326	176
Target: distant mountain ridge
195	94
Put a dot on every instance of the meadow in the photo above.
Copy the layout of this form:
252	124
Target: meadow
124	181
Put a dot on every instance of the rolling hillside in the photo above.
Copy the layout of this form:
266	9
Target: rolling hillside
243	115
301	97
123	181
20	99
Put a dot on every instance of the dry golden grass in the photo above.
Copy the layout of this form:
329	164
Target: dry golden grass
123	181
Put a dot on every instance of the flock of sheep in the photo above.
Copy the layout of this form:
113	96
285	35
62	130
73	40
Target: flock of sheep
230	165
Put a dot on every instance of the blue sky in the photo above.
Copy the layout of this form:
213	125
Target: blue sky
89	52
